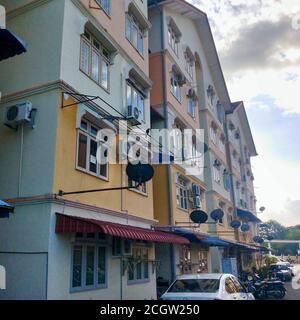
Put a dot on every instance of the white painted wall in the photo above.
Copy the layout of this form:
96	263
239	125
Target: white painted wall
59	272
23	252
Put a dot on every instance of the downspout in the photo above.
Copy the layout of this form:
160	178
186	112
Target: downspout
166	123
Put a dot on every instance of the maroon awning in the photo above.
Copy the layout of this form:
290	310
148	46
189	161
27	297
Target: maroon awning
70	224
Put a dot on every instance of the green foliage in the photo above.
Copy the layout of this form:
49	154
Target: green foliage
278	231
270	260
290	259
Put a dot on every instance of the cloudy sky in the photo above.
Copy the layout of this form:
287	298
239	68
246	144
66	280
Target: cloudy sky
259	48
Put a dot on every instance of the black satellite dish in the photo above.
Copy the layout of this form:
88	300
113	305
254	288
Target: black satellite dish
139	172
235	224
258	239
270	238
217	214
245	227
198	216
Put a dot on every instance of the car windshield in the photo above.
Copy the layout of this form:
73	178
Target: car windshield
196	285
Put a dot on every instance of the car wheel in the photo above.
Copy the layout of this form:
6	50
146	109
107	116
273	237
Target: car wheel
280	294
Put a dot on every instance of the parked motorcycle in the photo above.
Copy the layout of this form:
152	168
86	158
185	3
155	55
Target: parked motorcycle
263	289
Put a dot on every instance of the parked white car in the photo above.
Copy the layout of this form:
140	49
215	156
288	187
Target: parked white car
207	287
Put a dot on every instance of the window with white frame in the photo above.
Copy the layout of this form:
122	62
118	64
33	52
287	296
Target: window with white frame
135	99
222	144
173	40
89	266
213	134
87	147
138	266
189	65
105	5
217	174
175	87
191	107
94	60
134	33
182	193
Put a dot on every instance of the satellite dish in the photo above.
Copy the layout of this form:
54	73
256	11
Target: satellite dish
262	209
270	238
263	225
258	239
140	173
217	214
198	216
235	224
245	227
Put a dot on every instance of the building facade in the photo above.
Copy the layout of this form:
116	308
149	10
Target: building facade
91	65
79	246
189	92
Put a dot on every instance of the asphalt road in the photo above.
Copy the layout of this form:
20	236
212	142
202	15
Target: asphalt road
293	288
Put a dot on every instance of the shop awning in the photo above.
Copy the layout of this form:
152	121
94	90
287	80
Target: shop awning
201	238
192	236
215	242
248	216
71	224
10	45
5	209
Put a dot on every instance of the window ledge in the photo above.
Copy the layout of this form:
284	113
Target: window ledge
134	282
91	174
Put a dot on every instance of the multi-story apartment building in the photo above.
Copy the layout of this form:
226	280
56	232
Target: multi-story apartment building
240	149
87	66
10	45
189	92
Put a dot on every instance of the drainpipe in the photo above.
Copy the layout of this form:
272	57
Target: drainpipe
166	124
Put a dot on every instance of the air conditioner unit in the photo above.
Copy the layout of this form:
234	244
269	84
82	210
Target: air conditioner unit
134	116
19	113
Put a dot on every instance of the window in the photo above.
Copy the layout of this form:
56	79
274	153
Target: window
138	266
105	5
88	266
195	285
189	65
142	188
213	135
121	247
222	143
134	34
175	87
191	107
94	60
220	112
226	180
216	174
88	145
135	100
182	194
203	261
173	40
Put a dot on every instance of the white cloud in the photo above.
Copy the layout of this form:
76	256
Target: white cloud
272	70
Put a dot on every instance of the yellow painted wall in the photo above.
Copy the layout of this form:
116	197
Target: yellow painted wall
68	178
160	191
160	194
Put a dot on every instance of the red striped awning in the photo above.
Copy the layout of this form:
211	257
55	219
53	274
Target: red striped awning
70	224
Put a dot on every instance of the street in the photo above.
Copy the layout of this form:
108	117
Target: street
293	293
